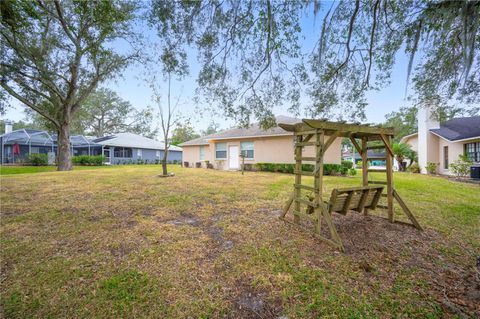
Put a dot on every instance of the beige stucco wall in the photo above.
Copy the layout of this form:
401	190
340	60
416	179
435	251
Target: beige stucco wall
455	149
435	152
278	149
432	153
413	142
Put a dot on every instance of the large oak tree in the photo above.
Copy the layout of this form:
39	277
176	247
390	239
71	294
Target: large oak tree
253	57
55	53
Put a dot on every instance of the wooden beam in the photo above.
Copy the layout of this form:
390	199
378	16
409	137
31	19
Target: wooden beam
308	188
354	142
389	169
287	206
347	203
406	210
318	179
330	141
343	127
364	170
298	178
333	230
386	142
306	202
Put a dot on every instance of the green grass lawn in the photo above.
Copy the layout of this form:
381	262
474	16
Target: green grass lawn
11	170
122	242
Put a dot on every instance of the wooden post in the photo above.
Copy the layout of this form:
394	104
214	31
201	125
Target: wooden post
364	167
389	163
242	155
318	178
298	177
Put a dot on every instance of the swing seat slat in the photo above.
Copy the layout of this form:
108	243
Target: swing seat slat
354	198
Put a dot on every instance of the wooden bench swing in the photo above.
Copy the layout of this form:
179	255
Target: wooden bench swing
321	134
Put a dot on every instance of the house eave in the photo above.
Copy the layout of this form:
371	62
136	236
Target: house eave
249	136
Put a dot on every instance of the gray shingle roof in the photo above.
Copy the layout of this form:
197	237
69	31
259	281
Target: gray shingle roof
133	140
253	131
459	128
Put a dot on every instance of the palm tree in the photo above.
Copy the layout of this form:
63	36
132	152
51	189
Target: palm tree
401	151
412	156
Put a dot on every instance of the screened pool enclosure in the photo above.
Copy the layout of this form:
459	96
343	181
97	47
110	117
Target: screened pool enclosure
19	144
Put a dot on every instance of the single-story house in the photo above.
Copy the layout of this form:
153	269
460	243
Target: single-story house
120	148
443	143
222	150
355	157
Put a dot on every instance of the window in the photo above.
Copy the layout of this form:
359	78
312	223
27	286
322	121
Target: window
445	157
221	150
139	153
157	154
35	150
472	150
122	152
247	149
202	153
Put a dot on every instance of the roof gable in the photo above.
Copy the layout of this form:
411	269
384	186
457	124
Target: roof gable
253	131
134	141
459	128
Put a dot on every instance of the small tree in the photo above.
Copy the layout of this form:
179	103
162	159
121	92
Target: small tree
461	167
169	118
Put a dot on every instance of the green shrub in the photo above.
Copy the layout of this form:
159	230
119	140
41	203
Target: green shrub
37	159
88	160
359	164
461	167
414	168
347	164
431	168
352	172
328	169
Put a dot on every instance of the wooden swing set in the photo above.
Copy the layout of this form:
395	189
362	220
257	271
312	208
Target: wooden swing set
321	134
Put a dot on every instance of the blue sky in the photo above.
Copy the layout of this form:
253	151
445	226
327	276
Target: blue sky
132	88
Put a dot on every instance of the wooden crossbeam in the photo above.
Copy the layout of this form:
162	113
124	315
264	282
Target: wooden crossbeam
302	144
304	173
344	127
306	202
379	170
377	182
375	147
305	187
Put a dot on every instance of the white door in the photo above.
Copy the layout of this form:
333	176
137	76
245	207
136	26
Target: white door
233	157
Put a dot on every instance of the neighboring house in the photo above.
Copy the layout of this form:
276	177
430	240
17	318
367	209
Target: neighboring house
444	143
126	147
378	158
222	150
121	148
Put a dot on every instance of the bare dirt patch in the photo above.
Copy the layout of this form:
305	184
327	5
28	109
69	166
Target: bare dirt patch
381	248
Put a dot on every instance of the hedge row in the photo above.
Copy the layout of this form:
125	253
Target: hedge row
328	169
88	160
37	159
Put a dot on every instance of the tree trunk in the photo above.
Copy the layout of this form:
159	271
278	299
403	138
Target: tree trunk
164	161
63	148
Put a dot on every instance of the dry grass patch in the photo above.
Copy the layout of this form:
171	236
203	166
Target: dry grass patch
121	242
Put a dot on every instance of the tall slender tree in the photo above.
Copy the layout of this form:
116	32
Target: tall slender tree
55	53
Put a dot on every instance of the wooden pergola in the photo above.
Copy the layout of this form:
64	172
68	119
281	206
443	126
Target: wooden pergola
321	134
